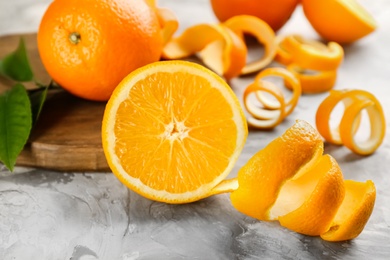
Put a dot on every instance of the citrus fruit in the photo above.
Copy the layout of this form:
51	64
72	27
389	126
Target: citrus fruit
89	46
342	21
172	131
274	12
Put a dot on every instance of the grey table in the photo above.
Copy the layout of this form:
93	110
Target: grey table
52	215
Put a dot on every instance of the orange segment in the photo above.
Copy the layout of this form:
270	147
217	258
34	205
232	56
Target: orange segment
172	131
246	24
342	21
322	191
225	52
261	178
354	212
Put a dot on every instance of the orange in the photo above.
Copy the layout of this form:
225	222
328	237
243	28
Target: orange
342	21
274	12
89	46
172	131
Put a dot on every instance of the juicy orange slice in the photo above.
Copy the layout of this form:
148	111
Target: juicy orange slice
342	21
355	101
172	131
354	211
223	51
271	112
261	178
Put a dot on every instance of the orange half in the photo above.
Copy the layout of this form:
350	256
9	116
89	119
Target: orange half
172	131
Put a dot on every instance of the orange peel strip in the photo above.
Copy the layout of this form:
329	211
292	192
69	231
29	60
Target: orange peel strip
272	112
168	23
262	117
313	55
314	81
354	101
291	181
228	49
246	24
346	225
289	79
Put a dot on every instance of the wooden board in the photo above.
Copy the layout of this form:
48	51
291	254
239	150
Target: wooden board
67	135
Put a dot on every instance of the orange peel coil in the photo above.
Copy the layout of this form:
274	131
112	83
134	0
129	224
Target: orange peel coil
355	101
291	181
224	51
312	62
271	112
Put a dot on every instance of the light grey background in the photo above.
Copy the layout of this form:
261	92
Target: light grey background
52	215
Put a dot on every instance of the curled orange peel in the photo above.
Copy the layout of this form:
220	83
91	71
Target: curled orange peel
313	82
355	101
246	24
224	51
314	55
168	23
271	112
222	46
290	180
312	62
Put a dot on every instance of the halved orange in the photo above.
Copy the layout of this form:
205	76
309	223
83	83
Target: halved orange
342	21
172	131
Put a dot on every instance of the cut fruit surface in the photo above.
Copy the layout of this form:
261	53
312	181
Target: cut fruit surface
342	21
172	131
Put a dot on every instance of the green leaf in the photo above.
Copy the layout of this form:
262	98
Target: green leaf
15	124
15	65
37	100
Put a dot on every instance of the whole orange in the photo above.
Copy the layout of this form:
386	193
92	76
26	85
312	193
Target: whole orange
89	46
274	12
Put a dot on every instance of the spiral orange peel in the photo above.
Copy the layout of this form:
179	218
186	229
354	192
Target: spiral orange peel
355	101
312	62
224	51
246	24
290	180
271	112
222	47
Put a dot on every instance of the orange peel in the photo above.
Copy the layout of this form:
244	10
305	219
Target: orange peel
355	101
313	82
314	55
291	181
272	112
312	62
246	24
226	52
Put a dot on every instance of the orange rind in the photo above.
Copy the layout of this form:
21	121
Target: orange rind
312	62
291	181
246	24
223	51
270	113
355	101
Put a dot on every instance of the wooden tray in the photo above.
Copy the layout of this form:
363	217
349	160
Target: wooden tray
67	136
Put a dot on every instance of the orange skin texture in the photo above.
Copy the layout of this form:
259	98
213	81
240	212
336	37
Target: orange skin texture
274	12
116	37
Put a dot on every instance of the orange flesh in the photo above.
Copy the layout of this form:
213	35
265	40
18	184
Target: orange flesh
167	128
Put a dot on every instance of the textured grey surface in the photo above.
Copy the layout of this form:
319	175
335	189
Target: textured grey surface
52	215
